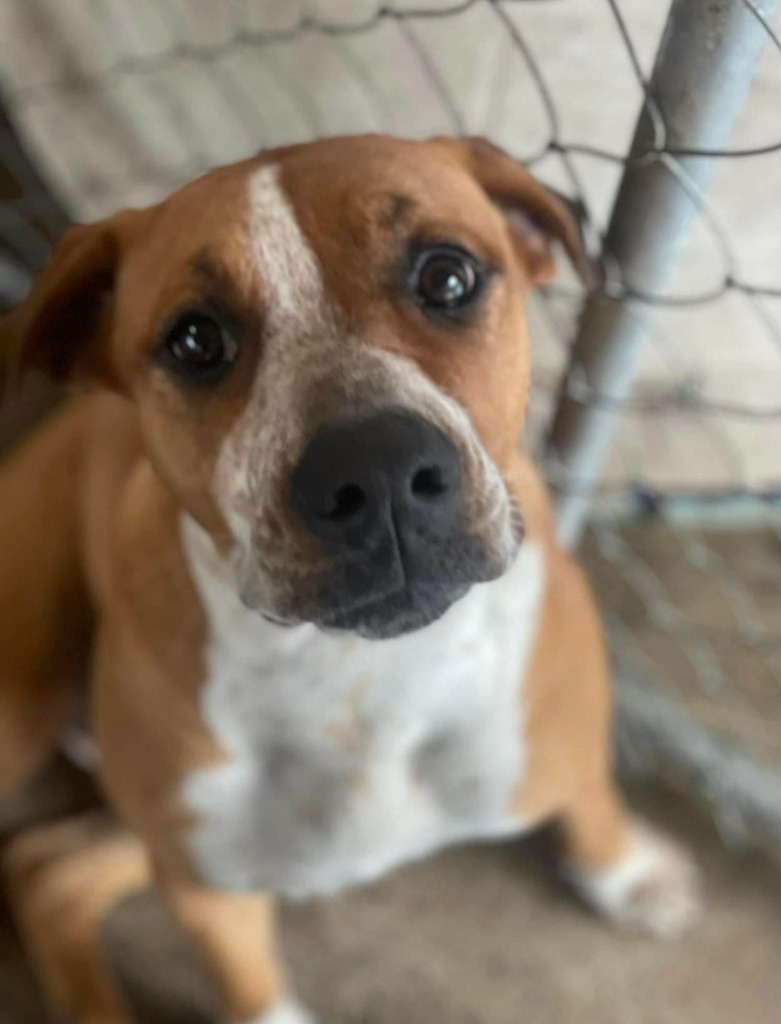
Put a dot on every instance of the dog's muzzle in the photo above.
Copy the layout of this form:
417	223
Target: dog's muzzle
384	496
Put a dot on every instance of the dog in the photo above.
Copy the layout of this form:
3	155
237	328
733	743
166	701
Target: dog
286	523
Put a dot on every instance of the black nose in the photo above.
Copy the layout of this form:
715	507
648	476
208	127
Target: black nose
393	476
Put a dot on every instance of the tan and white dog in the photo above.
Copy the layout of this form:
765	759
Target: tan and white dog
330	628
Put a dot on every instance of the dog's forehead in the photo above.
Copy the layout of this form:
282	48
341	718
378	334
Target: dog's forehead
204	223
356	203
337	181
329	214
359	192
367	175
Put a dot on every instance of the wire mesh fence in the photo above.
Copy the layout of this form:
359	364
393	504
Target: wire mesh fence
115	102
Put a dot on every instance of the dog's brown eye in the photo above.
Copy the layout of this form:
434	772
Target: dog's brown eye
197	348
446	279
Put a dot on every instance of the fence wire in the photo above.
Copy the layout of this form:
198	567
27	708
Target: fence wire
115	102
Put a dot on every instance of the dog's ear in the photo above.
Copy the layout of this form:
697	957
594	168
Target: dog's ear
64	325
537	217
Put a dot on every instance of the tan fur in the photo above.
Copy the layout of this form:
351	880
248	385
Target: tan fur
235	935
64	878
43	606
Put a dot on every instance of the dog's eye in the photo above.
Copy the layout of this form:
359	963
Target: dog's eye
197	348
445	279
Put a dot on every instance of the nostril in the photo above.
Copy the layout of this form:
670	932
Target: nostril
429	483
344	503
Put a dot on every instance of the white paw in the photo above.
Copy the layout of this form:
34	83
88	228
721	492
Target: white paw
286	1012
654	889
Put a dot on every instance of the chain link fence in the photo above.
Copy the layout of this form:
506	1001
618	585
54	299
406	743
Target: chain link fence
115	102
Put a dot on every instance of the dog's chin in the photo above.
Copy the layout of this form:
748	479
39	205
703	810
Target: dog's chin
393	615
382	618
389	614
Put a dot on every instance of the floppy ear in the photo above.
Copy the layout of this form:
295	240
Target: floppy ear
536	216
64	324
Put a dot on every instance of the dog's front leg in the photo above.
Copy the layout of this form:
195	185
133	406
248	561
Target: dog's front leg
235	936
152	737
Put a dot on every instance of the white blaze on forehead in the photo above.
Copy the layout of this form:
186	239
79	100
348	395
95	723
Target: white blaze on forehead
286	266
288	281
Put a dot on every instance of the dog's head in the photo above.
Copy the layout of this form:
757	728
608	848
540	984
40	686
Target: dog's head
327	349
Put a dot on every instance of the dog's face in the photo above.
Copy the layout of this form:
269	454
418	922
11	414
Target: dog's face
328	352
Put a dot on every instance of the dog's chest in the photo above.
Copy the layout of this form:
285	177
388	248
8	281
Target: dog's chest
345	757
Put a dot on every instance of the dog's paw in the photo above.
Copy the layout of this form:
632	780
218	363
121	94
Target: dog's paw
286	1012
655	889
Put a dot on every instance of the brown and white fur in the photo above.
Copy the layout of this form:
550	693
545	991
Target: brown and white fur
251	749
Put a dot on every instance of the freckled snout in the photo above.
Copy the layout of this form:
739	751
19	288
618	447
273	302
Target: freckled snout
381	488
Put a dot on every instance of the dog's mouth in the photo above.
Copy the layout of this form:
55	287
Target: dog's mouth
387	605
387	596
383	618
413	607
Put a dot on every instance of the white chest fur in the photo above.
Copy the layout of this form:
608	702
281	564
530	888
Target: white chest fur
347	756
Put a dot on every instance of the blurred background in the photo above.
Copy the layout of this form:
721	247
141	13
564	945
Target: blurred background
659	423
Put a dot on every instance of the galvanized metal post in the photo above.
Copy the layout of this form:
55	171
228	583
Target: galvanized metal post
702	73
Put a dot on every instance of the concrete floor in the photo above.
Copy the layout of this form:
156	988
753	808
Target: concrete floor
478	935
